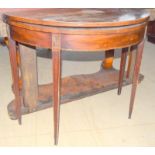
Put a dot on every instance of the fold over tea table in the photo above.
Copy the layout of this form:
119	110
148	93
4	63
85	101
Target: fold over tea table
78	30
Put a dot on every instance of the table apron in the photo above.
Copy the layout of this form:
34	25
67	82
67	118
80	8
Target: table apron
79	42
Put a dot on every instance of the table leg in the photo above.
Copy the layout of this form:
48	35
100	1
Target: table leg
15	75
29	76
109	58
56	55
131	62
136	75
122	69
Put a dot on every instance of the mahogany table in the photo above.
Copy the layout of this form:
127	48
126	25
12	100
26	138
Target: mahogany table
86	30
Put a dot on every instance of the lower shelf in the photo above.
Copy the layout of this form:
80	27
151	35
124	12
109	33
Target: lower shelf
74	88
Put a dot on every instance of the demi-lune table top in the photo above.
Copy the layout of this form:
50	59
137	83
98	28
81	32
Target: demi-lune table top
80	17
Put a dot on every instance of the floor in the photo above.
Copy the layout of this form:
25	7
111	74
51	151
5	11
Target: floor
99	120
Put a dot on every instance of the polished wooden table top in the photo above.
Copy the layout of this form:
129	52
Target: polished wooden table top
80	17
124	27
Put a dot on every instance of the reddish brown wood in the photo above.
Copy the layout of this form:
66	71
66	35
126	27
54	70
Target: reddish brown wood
93	39
85	31
135	76
56	47
129	62
29	76
80	30
101	42
15	76
80	17
108	61
122	69
27	37
75	87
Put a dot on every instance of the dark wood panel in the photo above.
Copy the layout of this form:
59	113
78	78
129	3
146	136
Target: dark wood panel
83	17
74	88
29	76
81	42
29	37
100	42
